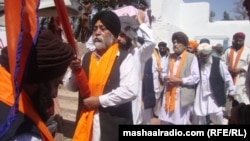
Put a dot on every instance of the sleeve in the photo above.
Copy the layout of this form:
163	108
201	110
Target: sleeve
26	137
165	65
227	78
148	46
247	82
128	86
70	81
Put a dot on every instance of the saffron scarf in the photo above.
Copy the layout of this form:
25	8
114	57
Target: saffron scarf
171	89
25	104
158	61
232	64
99	71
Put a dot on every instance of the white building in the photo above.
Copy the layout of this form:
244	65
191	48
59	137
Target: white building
193	19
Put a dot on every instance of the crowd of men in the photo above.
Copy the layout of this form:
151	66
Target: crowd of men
126	78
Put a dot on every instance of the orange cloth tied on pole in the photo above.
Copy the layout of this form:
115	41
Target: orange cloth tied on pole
99	71
233	64
171	89
82	82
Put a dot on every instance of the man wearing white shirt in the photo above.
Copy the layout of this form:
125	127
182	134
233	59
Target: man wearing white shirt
211	92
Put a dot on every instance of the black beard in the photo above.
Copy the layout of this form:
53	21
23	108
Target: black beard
42	101
125	46
237	47
163	53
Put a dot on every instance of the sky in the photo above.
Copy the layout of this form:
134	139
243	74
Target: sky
219	6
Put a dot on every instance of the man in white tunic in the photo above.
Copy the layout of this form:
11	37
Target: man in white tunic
128	39
211	90
237	58
181	75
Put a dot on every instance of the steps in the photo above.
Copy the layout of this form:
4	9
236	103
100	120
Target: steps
66	105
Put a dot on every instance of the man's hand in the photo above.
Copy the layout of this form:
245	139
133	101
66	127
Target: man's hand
236	71
75	64
91	102
173	80
140	17
230	97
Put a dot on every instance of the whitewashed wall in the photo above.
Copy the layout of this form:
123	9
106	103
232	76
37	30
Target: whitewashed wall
193	19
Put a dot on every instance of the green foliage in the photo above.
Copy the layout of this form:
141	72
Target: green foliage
226	16
211	16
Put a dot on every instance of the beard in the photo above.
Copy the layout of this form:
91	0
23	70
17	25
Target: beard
43	101
237	46
126	45
101	42
163	52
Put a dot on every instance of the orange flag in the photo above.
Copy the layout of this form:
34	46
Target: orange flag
22	26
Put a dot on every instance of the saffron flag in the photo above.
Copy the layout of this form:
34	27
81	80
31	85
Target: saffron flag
22	29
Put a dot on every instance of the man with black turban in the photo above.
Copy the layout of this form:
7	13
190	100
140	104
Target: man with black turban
111	78
48	62
181	76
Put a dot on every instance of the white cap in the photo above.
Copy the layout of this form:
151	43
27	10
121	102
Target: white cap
204	48
129	26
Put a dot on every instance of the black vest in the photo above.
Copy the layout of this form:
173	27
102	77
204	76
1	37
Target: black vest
148	93
112	117
217	82
21	124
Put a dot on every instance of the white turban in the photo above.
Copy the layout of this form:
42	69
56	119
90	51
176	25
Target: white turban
129	25
204	48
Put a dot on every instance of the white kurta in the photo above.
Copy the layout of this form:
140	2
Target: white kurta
127	90
141	54
241	94
204	100
180	116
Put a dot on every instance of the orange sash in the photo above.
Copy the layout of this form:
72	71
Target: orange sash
25	105
158	61
99	71
171	89
233	64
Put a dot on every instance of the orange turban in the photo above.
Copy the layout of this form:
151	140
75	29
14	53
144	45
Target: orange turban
193	44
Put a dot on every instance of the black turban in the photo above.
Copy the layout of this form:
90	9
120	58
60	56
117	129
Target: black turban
204	40
110	20
162	44
49	59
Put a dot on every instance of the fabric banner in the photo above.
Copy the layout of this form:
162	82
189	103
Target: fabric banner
22	26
